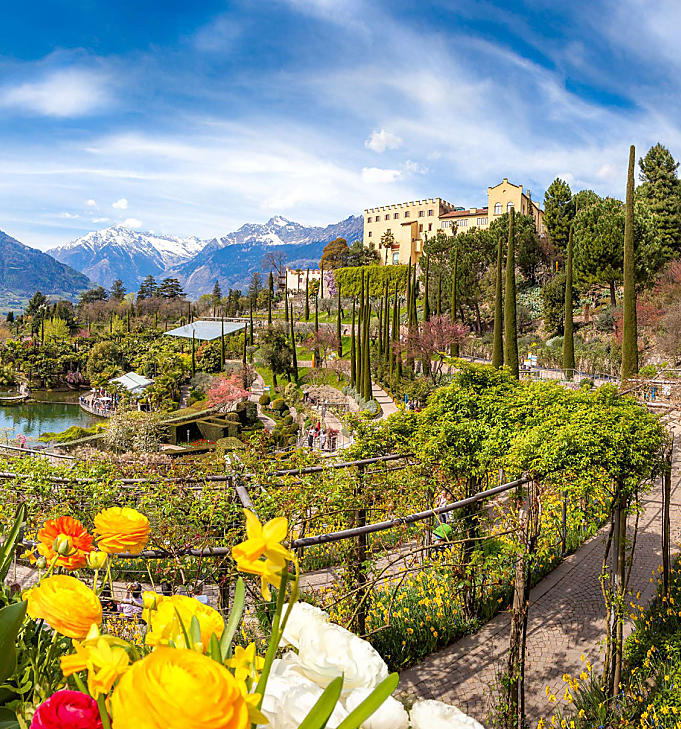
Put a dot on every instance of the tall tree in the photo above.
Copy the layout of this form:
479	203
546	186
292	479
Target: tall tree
558	213
353	350
426	293
170	288
339	331
293	347
335	254
529	254
510	323
148	288
216	296
117	290
629	328
568	326
270	296
661	189
307	295
454	348
498	341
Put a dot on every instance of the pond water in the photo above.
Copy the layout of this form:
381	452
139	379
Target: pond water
55	412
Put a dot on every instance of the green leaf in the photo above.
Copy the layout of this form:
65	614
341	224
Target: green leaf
195	630
234	618
11	619
322	710
10	544
214	650
371	703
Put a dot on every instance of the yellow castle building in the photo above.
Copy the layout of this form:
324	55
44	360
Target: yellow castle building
399	231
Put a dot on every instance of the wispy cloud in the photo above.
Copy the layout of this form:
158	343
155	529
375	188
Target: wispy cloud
121	204
380	141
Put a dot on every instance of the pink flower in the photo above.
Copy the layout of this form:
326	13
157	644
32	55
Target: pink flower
67	710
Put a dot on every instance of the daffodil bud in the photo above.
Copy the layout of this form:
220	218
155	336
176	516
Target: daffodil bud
62	545
97	560
150	600
41	563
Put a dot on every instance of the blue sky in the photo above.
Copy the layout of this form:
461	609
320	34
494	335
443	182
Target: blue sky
193	118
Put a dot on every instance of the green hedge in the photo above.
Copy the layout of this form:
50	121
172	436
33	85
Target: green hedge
350	279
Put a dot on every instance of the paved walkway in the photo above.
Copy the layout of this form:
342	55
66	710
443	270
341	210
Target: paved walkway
386	402
566	620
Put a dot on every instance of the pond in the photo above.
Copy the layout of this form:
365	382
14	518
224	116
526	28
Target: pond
55	411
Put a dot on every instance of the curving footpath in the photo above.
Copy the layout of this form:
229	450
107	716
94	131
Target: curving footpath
566	621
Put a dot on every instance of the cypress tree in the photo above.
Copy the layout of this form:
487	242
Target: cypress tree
251	322
366	366
408	301
568	327
339	330
414	293
270	296
454	349
321	280
243	357
629	327
386	324
439	292
426	293
286	305
193	354
293	347
307	296
360	330
379	311
353	350
222	345
510	326
396	334
316	313
498	346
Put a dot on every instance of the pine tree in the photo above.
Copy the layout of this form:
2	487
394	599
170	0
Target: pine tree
498	345
510	326
454	349
568	327
661	190
270	296
307	296
558	212
426	293
629	328
117	290
339	329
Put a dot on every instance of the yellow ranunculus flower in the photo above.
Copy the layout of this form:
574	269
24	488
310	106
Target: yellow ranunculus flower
174	688
121	529
103	656
164	623
66	604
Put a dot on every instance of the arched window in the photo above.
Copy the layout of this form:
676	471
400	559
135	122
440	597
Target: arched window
497	209
509	206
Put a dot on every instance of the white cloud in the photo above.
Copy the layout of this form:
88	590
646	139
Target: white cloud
64	93
377	176
415	167
132	223
121	204
68	216
380	141
91	203
100	220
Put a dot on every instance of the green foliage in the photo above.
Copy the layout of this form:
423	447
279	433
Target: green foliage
528	252
264	399
134	431
103	363
629	327
350	279
361	255
335	254
558	213
75	432
278	404
553	303
510	306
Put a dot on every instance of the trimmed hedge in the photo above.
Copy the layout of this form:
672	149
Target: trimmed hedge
265	399
350	279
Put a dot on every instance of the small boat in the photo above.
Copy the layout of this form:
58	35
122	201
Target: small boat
13	399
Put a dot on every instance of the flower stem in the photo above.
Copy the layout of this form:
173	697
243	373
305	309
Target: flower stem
275	637
103	713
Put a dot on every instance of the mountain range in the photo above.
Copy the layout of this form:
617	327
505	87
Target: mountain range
25	270
121	253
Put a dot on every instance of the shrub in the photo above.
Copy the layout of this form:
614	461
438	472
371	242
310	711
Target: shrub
265	399
288	419
278	404
232	417
134	431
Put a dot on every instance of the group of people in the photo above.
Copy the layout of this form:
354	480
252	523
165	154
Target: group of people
133	604
317	437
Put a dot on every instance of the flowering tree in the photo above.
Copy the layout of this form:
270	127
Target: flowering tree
227	390
323	342
431	343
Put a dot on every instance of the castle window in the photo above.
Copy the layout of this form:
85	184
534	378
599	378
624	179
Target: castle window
430	212
396	257
396	216
509	206
421	213
369	234
482	221
406	213
387	217
368	220
420	229
430	226
497	209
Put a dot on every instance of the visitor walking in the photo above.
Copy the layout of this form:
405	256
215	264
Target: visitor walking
310	437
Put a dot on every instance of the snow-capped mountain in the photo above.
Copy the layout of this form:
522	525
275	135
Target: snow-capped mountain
233	258
118	252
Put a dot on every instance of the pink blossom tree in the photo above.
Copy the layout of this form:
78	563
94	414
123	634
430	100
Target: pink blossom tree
227	390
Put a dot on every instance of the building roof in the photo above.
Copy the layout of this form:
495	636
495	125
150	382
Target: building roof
465	213
207	330
133	382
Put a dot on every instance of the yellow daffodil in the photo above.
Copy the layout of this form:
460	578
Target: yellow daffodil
103	656
263	541
246	663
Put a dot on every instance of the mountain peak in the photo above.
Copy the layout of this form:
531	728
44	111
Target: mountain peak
279	221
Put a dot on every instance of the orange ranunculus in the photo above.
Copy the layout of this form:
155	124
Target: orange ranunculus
65	604
72	535
121	529
174	688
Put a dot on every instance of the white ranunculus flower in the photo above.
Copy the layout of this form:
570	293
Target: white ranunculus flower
303	616
289	697
429	714
389	715
326	651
